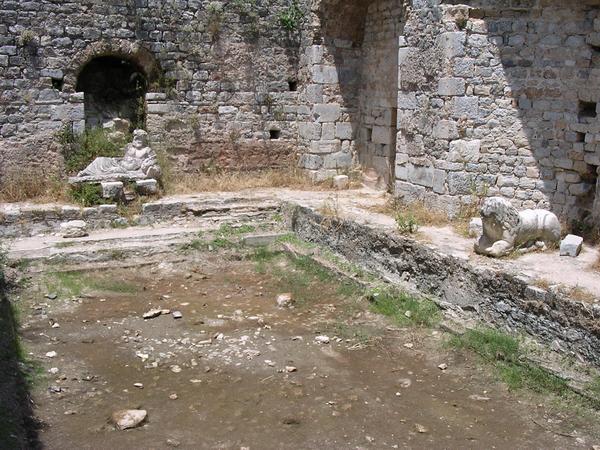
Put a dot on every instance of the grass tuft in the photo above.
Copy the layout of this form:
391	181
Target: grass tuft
20	185
77	283
231	181
404	308
505	353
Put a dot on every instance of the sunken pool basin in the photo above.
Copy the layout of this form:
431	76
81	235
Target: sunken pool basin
217	363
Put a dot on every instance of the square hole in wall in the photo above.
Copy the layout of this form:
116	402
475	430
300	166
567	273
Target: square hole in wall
369	134
587	109
274	134
58	83
579	137
293	85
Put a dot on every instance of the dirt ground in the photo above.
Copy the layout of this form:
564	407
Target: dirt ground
236	371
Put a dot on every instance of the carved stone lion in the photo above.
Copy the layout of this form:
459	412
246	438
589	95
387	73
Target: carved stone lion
505	229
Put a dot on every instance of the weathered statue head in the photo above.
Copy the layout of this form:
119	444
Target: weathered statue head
140	139
498	216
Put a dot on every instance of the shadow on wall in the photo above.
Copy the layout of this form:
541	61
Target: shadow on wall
355	76
113	88
18	426
502	100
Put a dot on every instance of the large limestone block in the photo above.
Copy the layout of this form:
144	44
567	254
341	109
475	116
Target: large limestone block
571	245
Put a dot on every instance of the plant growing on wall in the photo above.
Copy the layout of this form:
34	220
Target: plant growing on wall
291	17
248	12
215	13
28	37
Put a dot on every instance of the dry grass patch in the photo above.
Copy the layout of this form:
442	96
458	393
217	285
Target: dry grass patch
32	186
422	214
230	181
575	293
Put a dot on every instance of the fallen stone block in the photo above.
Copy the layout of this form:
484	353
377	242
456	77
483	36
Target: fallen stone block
261	240
146	187
571	245
74	229
112	190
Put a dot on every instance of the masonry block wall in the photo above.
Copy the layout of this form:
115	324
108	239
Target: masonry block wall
222	88
351	71
500	98
384	22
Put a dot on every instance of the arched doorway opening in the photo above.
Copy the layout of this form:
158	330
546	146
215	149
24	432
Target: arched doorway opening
113	87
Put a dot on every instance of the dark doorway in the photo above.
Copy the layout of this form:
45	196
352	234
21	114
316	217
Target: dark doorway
114	88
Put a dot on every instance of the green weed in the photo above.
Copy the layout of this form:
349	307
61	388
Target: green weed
505	353
195	244
291	17
262	256
79	150
76	283
227	230
87	194
404	308
406	223
221	243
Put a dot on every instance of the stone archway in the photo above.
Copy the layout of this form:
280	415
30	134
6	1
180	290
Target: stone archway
113	87
114	77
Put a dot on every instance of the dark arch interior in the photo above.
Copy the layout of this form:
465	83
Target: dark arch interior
114	88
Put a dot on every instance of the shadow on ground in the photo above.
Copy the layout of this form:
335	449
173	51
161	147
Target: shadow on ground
18	426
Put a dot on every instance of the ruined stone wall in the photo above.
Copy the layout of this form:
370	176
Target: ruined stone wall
500	98
222	76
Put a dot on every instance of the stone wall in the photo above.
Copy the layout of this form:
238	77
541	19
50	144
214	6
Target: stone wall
220	75
500	98
492	97
379	93
350	72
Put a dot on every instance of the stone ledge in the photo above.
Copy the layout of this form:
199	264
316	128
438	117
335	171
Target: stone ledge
495	295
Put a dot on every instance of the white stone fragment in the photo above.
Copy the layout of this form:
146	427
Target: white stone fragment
285	300
129	418
571	245
341	182
322	339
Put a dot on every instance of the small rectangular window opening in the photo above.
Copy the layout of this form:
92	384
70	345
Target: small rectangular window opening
293	85
587	109
274	134
58	83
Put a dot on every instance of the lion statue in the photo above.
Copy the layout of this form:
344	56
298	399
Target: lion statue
505	229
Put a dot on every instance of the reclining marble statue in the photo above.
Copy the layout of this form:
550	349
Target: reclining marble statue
505	229
138	163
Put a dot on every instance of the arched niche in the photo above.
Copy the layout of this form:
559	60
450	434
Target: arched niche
113	87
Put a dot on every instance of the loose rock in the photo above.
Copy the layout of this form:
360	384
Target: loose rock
285	300
322	339
129	418
571	245
74	229
152	314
